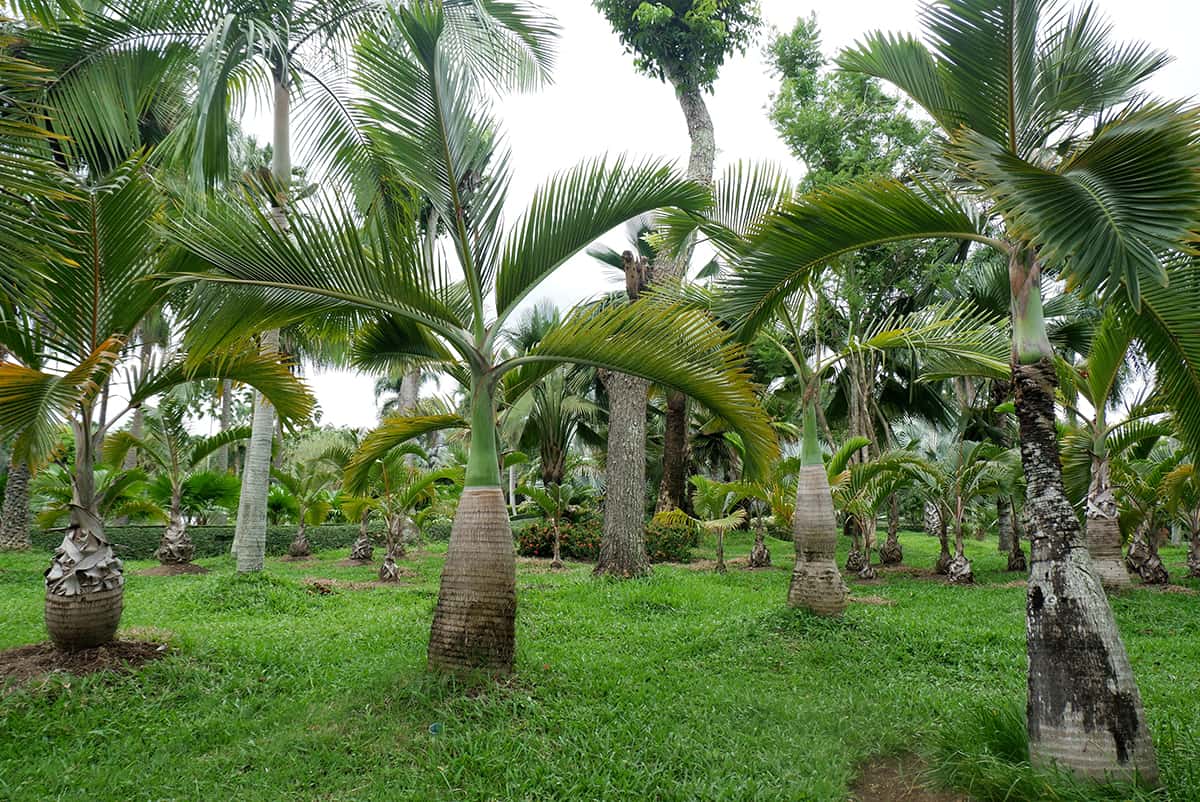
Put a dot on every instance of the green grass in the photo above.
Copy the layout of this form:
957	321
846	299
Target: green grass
684	686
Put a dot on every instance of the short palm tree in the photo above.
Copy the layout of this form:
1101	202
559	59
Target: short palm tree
552	500
62	357
1141	485
177	455
312	490
1074	171
1181	494
430	119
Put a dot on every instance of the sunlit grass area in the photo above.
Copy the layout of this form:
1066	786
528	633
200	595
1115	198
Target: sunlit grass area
687	685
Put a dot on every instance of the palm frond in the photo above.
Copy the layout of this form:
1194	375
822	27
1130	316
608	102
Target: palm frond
390	434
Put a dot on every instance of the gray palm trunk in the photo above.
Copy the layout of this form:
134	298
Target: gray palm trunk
623	541
1084	711
672	491
1004	524
250	536
14	519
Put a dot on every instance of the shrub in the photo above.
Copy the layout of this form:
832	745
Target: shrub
437	529
140	542
670	544
580	539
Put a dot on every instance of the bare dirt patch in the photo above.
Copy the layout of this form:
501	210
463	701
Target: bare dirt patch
1177	589
173	569
38	661
908	570
876	600
287	558
324	586
898	779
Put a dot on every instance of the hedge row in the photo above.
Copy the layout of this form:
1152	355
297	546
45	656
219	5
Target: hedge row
580	540
140	542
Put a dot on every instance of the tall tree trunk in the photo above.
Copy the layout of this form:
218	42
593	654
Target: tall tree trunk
623	542
250	536
1084	710
1004	524
1103	531
474	623
14	519
222	461
672	492
816	584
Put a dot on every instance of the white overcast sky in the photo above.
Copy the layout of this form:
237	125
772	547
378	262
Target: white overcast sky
599	104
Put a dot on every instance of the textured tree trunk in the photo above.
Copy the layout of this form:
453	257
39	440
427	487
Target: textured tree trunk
363	550
854	558
300	547
1143	558
1004	524
14	518
760	555
959	569
1084	709
721	567
176	547
816	583
891	552
474	622
932	519
1193	558
672	492
1103	529
623	543
942	565
85	582
1016	557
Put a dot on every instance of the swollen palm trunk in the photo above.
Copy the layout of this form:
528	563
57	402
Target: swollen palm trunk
474	622
84	586
816	583
1084	709
175	548
1103	529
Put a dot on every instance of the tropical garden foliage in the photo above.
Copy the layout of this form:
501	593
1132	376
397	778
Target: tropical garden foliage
977	313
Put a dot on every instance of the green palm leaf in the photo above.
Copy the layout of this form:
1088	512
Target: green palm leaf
390	434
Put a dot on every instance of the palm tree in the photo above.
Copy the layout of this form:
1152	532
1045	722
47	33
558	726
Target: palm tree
278	50
63	356
311	490
552	500
178	455
1044	131
427	115
1181	491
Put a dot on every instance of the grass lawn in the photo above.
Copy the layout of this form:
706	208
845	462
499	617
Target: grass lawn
683	686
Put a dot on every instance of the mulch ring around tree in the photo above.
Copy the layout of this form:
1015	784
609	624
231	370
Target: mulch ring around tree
898	778
38	661
349	563
173	569
287	558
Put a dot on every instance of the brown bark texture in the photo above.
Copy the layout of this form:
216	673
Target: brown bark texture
14	518
623	543
474	621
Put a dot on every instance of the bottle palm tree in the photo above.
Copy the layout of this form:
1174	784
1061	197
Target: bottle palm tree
1181	494
429	116
1045	131
63	359
311	490
177	455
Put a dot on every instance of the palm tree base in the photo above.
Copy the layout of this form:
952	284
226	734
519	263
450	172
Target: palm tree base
362	550
1016	559
85	620
389	571
760	555
1104	544
891	552
855	561
959	571
817	586
474	623
175	548
1143	559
